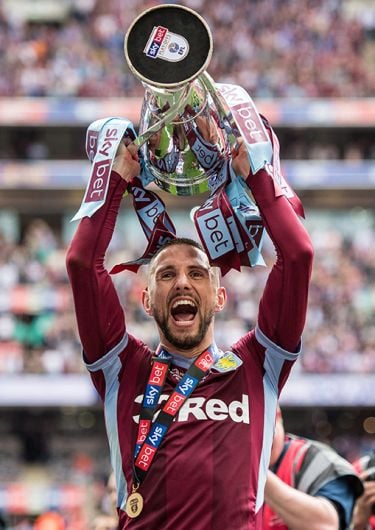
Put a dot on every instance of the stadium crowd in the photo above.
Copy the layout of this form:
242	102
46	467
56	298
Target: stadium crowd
38	329
277	48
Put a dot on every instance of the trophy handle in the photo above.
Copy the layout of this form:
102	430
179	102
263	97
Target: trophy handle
221	105
168	116
223	109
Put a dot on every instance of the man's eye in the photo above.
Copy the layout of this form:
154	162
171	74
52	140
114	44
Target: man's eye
166	275
197	274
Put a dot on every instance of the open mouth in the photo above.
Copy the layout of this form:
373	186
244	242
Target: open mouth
184	310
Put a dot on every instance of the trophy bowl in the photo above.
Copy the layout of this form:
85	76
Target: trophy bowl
182	135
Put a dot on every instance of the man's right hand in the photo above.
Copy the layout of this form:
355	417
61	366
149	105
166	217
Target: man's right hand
126	162
240	159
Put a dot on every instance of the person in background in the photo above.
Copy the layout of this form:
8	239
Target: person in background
103	521
364	511
50	520
3	522
309	486
107	519
112	494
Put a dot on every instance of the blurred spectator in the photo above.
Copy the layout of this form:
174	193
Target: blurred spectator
281	48
112	494
364	513
27	144
23	524
103	522
37	326
308	485
107	519
340	336
3	523
49	521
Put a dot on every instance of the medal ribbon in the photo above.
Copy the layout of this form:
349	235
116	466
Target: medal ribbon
151	432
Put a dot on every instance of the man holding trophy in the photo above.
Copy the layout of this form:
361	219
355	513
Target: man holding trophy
190	427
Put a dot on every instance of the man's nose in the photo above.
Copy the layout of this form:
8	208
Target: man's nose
182	281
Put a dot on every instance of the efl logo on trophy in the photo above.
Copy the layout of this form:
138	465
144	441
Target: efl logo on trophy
166	45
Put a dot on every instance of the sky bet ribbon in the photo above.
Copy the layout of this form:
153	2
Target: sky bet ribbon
152	430
102	140
260	139
230	228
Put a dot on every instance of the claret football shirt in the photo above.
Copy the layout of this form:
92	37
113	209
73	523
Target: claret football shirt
210	470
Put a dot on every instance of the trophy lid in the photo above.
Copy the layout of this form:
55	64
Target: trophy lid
168	46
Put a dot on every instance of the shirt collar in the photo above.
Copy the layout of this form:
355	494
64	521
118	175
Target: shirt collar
185	362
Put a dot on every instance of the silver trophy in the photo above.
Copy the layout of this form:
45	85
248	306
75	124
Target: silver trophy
189	129
186	130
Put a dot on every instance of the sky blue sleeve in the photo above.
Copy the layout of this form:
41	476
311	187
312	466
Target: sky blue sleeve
341	493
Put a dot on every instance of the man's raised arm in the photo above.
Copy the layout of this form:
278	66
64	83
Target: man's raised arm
282	310
283	306
99	314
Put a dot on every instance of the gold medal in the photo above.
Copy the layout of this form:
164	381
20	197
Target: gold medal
134	503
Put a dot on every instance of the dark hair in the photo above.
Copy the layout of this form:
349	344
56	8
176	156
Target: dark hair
181	241
177	241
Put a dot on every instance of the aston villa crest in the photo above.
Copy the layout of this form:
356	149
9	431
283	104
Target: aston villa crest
228	362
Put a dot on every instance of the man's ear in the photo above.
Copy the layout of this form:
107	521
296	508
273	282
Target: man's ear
221	299
146	301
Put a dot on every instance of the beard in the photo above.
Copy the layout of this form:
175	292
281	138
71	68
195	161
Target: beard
183	341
